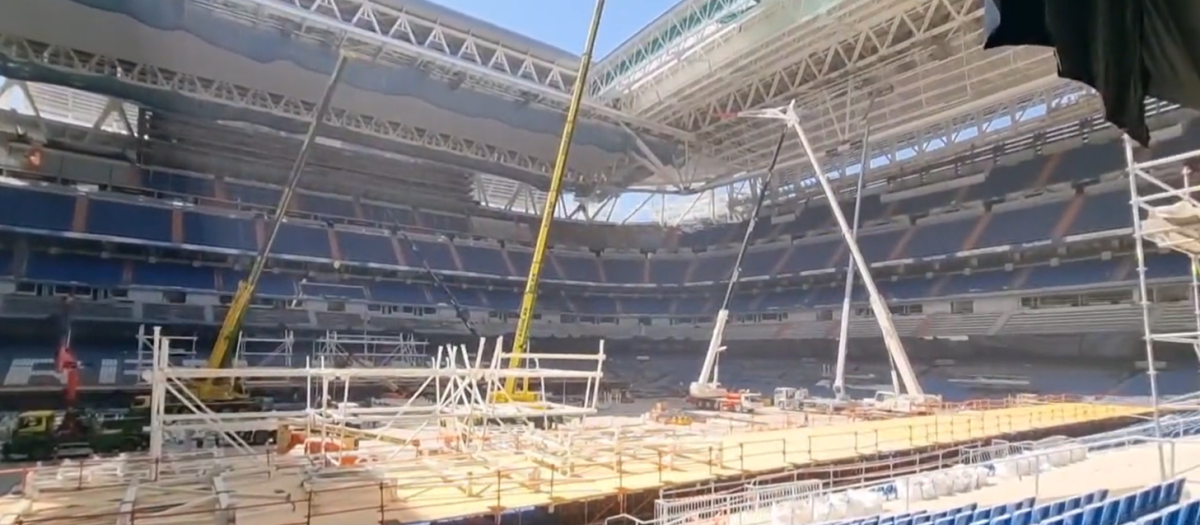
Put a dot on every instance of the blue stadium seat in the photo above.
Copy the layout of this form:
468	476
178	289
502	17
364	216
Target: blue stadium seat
35	209
668	270
165	275
436	254
387	215
919	204
761	262
1103	212
581	268
1165	266
595	304
782	301
303	241
1006	180
482	260
271	284
253	194
71	268
366	247
129	220
326	205
349	290
444	222
1089	162
937	238
645	305
1072	273
807	256
502	300
990	281
177	183
394	292
232	233
7	260
522	259
624	270
1021	225
875	247
906	289
713	268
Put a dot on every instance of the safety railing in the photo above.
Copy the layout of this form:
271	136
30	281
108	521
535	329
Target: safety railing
753	504
444	486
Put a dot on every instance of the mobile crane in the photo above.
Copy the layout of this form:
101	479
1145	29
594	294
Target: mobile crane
226	395
511	393
706	392
48	434
913	397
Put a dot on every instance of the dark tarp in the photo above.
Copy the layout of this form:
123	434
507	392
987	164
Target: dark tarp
1126	49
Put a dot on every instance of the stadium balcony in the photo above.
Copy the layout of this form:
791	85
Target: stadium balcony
226	216
113	273
51	211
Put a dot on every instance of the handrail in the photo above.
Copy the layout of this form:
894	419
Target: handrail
1138	434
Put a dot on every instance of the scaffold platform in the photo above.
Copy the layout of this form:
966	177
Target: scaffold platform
591	472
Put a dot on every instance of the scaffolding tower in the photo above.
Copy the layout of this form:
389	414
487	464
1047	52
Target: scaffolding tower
1166	213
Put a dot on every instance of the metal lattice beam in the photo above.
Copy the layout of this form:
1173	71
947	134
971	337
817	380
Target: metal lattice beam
666	40
394	36
936	93
227	93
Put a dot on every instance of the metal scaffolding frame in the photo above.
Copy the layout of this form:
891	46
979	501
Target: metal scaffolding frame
265	351
1165	213
181	348
404	350
451	392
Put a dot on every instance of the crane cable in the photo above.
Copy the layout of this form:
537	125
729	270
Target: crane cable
529	298
763	188
459	311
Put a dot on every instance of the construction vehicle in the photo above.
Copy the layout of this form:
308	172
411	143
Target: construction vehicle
520	345
885	401
706	391
48	434
45	434
789	398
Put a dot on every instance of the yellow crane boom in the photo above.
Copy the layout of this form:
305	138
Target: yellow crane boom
529	298
232	324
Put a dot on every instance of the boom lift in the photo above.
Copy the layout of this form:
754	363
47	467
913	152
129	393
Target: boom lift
706	392
511	393
229	394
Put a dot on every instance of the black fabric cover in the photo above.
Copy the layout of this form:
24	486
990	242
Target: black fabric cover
1125	49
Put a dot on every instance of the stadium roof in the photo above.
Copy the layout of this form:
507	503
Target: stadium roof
441	85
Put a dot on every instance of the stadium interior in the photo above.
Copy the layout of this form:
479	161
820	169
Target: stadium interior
183	340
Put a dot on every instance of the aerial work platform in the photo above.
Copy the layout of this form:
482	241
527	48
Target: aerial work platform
510	469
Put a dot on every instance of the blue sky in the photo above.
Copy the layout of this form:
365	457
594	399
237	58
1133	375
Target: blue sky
564	23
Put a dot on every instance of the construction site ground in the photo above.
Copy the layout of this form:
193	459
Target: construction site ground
520	469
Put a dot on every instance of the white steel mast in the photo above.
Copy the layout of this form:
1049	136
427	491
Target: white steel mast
883	316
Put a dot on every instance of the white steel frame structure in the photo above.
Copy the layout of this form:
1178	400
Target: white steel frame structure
1166	213
404	350
883	316
457	390
281	350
